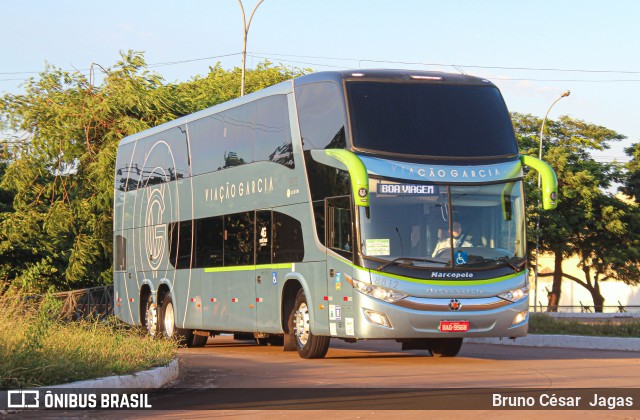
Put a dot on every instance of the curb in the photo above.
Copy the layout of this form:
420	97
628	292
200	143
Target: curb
152	378
146	379
565	341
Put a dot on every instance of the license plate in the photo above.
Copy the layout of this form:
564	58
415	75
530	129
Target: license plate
454	326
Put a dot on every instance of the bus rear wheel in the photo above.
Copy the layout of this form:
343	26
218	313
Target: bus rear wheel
151	317
172	332
167	318
445	347
309	345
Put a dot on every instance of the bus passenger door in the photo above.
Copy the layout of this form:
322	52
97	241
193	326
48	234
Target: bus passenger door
267	276
339	240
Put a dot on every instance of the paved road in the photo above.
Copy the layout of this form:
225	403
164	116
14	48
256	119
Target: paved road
348	368
227	363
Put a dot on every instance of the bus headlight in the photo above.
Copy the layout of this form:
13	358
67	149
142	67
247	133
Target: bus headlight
376	292
515	295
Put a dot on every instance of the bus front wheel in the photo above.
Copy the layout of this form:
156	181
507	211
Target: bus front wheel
445	347
309	345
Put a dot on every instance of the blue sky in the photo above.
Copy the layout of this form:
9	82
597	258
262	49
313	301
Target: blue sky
488	38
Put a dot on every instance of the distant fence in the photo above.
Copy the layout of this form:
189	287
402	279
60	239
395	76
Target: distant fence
94	302
583	308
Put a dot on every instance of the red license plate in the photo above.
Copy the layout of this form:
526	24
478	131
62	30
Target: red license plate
454	326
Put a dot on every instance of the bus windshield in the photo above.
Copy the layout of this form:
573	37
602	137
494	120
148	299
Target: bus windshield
430	120
463	227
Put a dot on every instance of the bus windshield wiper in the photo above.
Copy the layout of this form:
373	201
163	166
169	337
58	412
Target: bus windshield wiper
502	261
396	260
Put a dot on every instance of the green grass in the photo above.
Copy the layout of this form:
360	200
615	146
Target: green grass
37	349
544	324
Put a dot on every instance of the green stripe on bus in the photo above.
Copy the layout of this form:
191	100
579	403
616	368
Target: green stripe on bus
248	268
445	282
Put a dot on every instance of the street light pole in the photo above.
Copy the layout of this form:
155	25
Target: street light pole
245	28
535	292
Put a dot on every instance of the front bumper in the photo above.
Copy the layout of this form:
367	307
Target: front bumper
420	318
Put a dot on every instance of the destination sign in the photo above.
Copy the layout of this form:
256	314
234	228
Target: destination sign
407	189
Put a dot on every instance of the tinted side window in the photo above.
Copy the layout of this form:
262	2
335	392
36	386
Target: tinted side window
135	170
288	245
339	226
124	169
273	133
177	160
209	242
238	239
120	257
238	136
321	116
160	158
205	137
324	181
180	244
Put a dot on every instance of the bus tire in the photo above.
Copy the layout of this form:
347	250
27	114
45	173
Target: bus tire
197	340
151	317
445	347
167	319
309	345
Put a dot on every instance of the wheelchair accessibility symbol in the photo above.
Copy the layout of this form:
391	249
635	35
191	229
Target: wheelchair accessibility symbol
461	258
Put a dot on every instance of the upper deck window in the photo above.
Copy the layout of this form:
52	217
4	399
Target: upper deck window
430	120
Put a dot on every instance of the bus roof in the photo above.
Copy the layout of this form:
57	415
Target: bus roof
387	75
394	76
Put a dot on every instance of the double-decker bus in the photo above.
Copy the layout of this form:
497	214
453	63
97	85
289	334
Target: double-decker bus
354	205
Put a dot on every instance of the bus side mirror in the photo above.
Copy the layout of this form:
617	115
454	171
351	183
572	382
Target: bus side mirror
348	161
549	185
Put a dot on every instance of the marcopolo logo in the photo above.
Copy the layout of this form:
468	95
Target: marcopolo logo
451	275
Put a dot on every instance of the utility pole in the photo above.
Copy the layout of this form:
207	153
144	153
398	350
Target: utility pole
245	28
535	273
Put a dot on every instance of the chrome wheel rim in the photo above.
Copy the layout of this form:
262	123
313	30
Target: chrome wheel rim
168	320
301	324
152	320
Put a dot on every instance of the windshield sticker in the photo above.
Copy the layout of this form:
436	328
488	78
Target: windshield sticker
461	258
407	189
377	247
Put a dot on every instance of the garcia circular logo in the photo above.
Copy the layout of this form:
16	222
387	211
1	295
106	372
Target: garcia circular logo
155	232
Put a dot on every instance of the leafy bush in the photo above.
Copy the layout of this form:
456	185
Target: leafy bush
544	324
38	349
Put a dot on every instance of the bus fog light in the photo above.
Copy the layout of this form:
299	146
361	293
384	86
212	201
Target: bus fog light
520	317
377	318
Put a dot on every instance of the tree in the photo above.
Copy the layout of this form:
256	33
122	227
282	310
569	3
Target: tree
589	223
631	185
58	231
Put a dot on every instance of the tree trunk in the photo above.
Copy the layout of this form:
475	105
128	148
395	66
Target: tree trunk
598	301
593	286
554	295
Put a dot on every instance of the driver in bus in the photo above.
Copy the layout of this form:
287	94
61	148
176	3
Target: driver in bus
445	242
